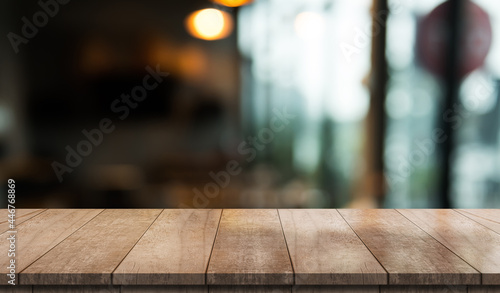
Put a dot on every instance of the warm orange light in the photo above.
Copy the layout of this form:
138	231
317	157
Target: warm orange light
209	24
233	3
192	62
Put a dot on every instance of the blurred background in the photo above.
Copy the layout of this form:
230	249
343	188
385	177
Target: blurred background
267	103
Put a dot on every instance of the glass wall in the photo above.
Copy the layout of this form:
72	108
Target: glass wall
312	58
414	109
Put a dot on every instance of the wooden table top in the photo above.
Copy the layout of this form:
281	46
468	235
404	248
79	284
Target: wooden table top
254	247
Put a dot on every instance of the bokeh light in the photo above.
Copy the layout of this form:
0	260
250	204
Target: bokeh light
209	24
232	3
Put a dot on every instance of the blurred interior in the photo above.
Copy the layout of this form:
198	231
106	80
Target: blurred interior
395	103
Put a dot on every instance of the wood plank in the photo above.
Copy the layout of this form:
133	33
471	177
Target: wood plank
22	215
76	289
89	256
408	254
335	289
250	289
250	250
15	289
40	234
484	289
326	251
174	251
474	243
164	289
423	289
489	218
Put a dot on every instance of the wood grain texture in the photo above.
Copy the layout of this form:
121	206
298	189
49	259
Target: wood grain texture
423	289
174	251
22	215
76	289
474	243
409	255
484	289
40	234
15	289
326	251
335	289
89	256
164	289
250	289
489	218
250	250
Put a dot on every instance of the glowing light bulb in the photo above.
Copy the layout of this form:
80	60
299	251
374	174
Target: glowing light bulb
233	3
209	24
